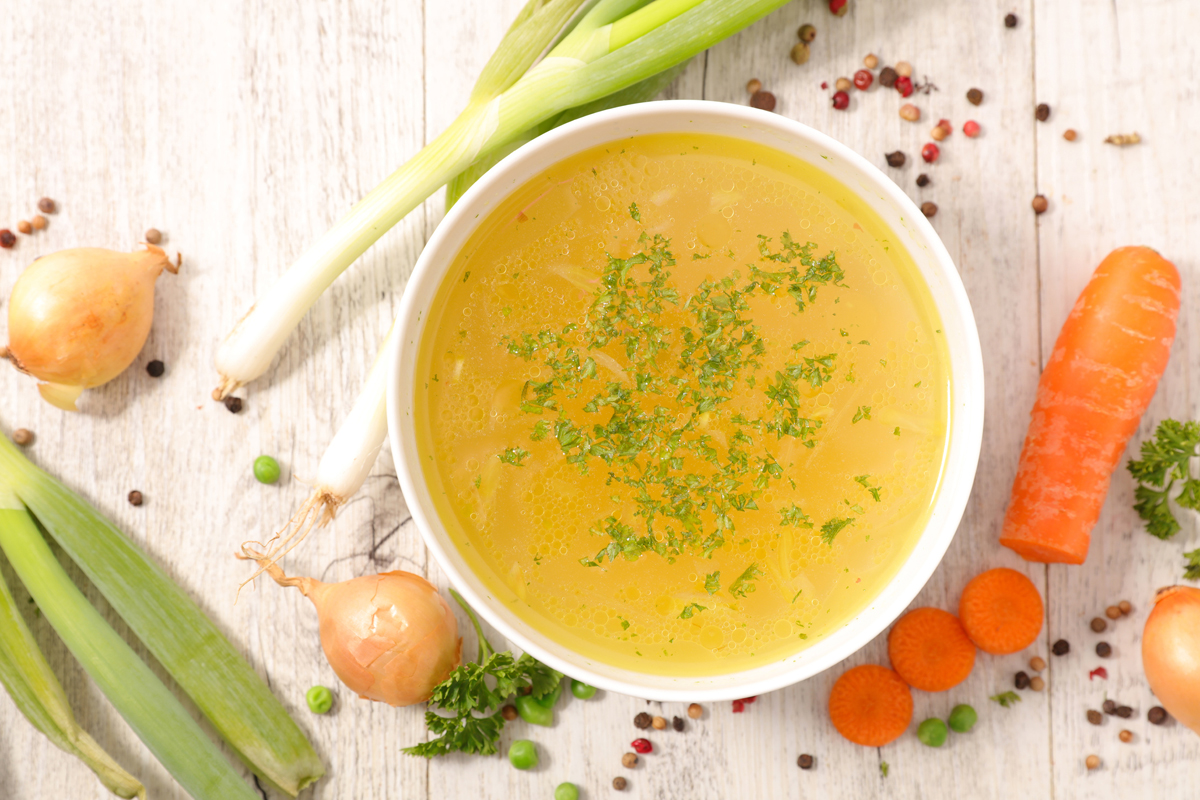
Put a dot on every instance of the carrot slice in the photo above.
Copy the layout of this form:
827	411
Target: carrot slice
1001	611
1101	376
930	650
870	705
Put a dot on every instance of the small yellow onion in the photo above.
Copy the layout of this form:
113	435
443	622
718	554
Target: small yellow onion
389	637
1171	653
77	318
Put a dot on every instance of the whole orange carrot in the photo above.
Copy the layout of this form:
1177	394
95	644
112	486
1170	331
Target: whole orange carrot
1101	376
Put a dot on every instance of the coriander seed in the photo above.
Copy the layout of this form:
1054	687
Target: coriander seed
904	69
22	437
843	84
871	61
1037	683
1040	204
1092	762
1069	134
695	711
1112	612
1125	736
135	498
38	222
629	760
620	783
800	53
24	227
753	85
1125	606
152	235
659	724
806	33
509	712
910	112
1099	625
1037	663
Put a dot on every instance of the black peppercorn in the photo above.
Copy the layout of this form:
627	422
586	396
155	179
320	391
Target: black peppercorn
7	238
929	209
1094	716
887	77
1104	649
156	369
677	723
1010	20
1061	647
805	761
619	783
974	97
642	721
135	498
1157	715
1022	680
1109	707
234	404
1099	625
763	100
895	159
1042	112
1124	712
922	180
46	205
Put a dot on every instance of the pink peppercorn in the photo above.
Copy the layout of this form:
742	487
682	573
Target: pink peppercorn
839	7
1100	671
904	85
738	706
971	128
642	746
841	100
863	79
930	153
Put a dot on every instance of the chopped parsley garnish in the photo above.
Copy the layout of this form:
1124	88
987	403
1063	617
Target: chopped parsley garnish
863	412
633	212
794	516
712	582
883	768
540	430
743	584
1165	460
514	456
833	527
797	594
864	480
1006	699
1191	569
690	609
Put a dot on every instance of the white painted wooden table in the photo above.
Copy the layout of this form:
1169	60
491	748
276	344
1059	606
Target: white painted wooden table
242	130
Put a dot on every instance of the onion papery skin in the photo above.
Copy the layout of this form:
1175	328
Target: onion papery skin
389	637
78	318
1171	653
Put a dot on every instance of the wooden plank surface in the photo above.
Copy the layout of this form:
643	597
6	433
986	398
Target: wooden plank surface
244	129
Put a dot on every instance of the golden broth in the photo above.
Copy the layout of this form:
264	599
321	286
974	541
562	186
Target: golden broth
683	468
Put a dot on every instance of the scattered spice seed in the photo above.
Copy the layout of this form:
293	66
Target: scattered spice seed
1022	680
1125	606
1040	204
1112	612
135	498
677	723
23	437
1122	139
1094	716
971	128
155	368
642	721
1125	736
1157	715
695	711
620	783
895	159
922	180
24	227
1010	20
903	68
509	712
1109	706
1103	649
1099	625
1124	712
974	97
1092	762
930	153
38	222
659	724
1100	672
763	100
46	205
1037	683
941	130
841	101
234	404
910	112
800	53
642	746
863	80
153	235
887	77
824	85
929	208
839	8
7	238
1061	647
1042	112
629	760
738	706
806	33
871	61
805	761
904	85
753	85
1037	663
1069	134
842	84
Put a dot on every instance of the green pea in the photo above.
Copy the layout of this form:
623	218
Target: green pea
523	754
932	732
266	469
566	791
582	690
549	699
533	712
962	718
320	699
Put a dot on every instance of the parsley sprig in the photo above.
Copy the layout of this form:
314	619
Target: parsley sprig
1165	461
1191	568
474	694
1006	699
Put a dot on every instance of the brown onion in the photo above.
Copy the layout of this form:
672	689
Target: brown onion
1171	652
77	318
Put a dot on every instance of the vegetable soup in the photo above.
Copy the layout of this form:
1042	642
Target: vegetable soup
683	403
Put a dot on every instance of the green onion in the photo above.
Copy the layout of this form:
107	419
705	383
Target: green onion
40	697
616	44
155	715
186	642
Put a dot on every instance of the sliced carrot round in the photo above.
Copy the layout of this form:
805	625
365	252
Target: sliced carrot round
930	650
870	705
1001	611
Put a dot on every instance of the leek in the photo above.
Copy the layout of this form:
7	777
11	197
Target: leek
40	697
186	642
155	715
616	44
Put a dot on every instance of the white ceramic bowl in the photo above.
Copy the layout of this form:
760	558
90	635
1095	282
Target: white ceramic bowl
873	187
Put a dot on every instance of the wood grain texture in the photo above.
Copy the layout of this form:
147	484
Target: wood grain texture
245	129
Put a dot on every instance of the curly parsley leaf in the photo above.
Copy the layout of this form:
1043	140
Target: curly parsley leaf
864	481
833	527
633	212
1191	569
744	583
690	610
1166	460
863	412
514	456
1006	699
712	582
794	516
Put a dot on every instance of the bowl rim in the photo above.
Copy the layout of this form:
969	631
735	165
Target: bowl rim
965	436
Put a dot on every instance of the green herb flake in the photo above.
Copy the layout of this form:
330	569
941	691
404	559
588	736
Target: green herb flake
541	430
797	594
466	275
863	412
883	768
514	456
795	517
897	431
864	481
633	212
1191	569
1006	699
712	582
690	610
833	527
743	584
